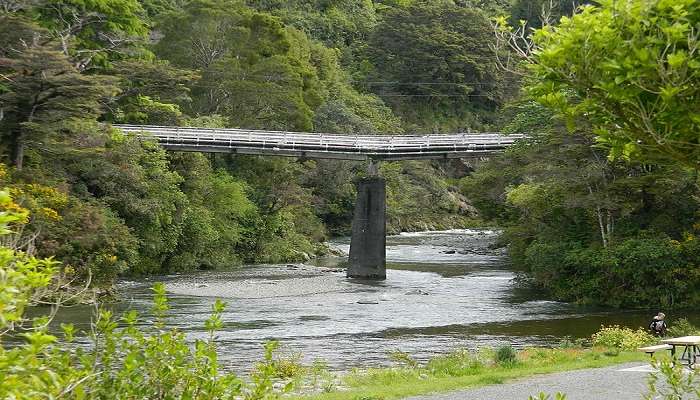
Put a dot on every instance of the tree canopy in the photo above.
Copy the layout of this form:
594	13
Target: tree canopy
632	68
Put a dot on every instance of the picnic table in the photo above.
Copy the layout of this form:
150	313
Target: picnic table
691	348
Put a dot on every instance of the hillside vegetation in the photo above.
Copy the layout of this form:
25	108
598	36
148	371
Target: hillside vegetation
107	204
599	205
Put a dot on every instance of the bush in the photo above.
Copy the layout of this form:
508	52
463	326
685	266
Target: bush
616	337
671	381
506	356
639	272
131	362
125	360
289	366
682	327
24	279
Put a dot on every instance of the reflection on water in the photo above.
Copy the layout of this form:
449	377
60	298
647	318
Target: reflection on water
444	290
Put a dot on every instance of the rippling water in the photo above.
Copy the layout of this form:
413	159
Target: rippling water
444	290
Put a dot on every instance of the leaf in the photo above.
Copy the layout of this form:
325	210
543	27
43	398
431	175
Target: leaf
677	59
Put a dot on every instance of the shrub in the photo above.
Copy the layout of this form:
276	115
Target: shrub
131	362
506	356
620	338
639	272
289	366
24	279
125	360
671	381
682	327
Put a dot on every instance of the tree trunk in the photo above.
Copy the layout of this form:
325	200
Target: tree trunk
601	224
18	145
603	235
18	150
610	226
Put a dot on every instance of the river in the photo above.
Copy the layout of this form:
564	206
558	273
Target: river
444	290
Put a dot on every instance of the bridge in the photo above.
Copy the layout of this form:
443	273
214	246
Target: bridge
367	258
324	146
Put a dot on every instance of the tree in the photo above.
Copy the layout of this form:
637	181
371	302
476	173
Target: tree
588	228
254	70
45	96
541	12
631	68
215	217
336	117
336	23
429	50
92	32
151	92
135	180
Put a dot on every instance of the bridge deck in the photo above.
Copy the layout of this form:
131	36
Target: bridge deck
321	145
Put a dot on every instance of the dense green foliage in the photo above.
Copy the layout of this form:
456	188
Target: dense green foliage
22	276
585	226
619	338
434	59
637	79
682	327
601	204
505	356
107	204
124	360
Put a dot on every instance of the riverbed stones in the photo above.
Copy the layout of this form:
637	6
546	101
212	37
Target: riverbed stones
299	283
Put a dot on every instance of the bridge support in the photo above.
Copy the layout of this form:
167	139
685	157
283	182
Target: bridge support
368	242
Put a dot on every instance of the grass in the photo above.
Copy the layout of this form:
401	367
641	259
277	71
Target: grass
464	369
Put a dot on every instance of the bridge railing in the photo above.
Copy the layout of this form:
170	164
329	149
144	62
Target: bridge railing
234	138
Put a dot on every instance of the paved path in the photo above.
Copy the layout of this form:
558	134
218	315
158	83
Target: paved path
620	382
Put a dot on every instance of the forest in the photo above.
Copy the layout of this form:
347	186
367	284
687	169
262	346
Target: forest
598	206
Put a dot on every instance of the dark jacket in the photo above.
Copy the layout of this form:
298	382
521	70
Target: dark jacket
658	327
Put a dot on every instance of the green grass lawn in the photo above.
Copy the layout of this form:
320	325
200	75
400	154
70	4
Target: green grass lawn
462	369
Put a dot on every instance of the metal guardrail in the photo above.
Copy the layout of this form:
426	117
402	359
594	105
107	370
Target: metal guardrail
321	145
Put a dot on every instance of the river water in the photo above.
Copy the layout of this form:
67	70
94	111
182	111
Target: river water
444	290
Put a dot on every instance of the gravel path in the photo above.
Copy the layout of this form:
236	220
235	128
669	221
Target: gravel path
610	383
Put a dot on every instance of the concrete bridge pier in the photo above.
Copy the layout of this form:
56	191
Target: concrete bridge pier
368	242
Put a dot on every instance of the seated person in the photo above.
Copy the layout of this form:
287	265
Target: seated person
658	325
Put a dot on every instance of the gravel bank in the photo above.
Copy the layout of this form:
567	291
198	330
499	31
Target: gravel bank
270	282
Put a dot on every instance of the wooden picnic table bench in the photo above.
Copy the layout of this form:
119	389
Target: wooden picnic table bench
653	349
